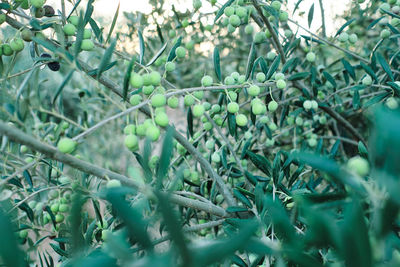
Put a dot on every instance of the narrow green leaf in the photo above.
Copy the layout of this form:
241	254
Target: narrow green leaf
127	78
250	60
172	54
274	67
217	66
106	58
165	157
385	65
344	26
310	15
157	55
142	47
62	85
113	23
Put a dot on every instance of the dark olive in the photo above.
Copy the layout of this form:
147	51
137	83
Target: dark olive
48	11
54	66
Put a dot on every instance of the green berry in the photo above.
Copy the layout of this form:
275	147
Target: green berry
87	45
343	37
198	110
279	76
385	33
229	80
280	84
241	12
153	133
312	142
188	100
172	33
260	77
310	57
158	100
234	20
59	218
314	105
271	55
367	80
180	52
69	29
185	23
258	108
37	3
241	120
276	5
148	89
233	107
23	234
63	208
66	145
249	29
170	66
272	106
131	142
87	33
17	45
74	20
54	208
173	102
26	34
23	149
161	119
113	183
254	90
283	16
392	103
353	38
358	165
206	81
215	157
299	121
307	105
130	129
155	78
135	99
229	11
259	37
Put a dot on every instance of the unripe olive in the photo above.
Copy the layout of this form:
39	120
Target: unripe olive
66	145
54	208
280	84
39	12
258	108
198	110
233	107
358	165
161	119
135	99
269	142
241	120
23	149
392	103
249	29
153	133
312	142
69	29
314	105
259	37
180	52
234	20
271	55
197	4
283	16
276	5
169	66
158	100
171	33
63	208
87	45
367	80
385	33
188	100
307	105
74	20
215	157
343	37
198	94
299	121
353	38
173	102
59	218
229	80
17	44
23	234
87	33
254	90
148	89
272	106
185	23
155	78
310	57
37	3
206	81
131	142
260	77
229	11
136	80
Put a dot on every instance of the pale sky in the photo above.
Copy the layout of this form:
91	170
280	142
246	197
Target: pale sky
107	9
